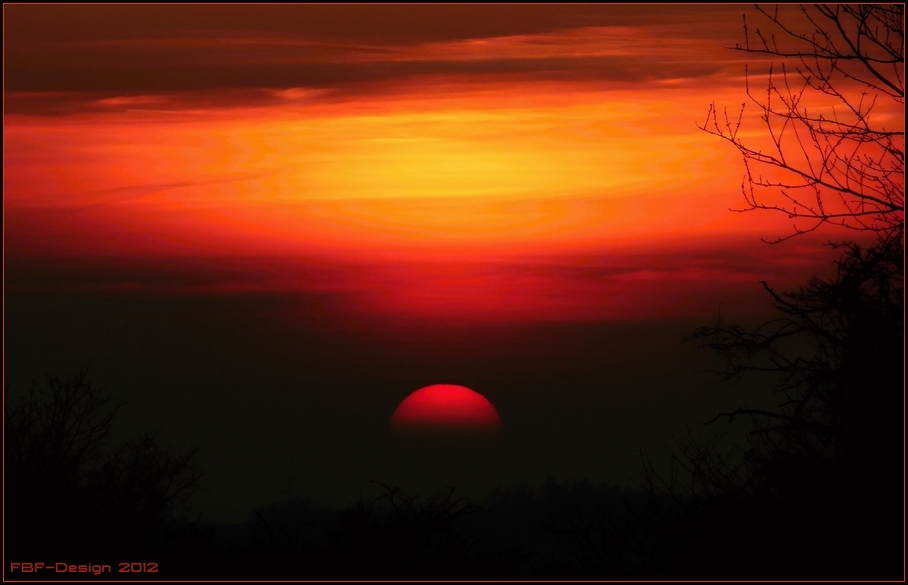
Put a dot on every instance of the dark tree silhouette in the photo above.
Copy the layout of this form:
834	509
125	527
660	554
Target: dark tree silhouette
817	489
822	474
70	492
838	344
831	455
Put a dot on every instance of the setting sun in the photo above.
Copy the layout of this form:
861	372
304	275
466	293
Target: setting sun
446	407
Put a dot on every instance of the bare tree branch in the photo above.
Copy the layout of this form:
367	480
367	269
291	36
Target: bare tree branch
849	164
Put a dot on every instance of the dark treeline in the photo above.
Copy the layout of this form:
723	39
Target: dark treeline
74	496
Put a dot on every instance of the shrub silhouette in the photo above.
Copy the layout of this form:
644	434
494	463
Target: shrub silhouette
71	494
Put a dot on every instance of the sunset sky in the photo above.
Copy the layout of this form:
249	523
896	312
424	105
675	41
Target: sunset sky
266	225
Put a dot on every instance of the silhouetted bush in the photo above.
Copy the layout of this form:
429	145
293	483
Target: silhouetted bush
71	494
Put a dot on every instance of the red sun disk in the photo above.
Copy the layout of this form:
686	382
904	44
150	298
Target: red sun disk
446	406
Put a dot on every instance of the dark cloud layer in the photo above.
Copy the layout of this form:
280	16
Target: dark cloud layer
394	23
158	48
